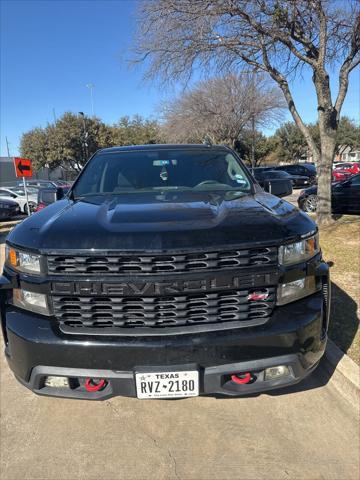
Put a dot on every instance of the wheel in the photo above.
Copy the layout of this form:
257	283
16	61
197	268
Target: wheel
31	206
310	204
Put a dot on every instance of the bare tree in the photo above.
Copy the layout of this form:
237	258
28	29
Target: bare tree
220	108
279	37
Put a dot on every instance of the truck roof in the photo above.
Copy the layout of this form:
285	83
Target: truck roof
189	146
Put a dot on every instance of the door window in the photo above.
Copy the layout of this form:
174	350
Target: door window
5	193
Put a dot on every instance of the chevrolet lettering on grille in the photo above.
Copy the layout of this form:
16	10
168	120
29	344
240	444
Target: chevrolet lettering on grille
162	288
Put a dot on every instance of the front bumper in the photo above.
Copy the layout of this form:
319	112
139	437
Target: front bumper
294	336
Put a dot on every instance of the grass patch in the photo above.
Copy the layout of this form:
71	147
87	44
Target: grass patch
340	244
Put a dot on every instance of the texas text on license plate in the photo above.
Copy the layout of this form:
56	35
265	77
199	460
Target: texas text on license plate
167	384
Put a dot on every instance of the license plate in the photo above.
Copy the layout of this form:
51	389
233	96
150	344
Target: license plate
167	384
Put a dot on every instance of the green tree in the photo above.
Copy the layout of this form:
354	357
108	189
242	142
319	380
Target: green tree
135	131
290	144
34	145
74	138
263	146
348	135
68	142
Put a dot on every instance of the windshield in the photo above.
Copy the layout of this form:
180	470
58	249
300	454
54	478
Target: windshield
21	191
311	168
196	170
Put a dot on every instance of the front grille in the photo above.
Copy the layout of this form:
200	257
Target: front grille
105	312
115	264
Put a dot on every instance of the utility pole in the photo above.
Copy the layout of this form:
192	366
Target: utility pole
91	86
24	183
7	146
85	136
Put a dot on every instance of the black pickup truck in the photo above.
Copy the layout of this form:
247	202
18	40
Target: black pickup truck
166	271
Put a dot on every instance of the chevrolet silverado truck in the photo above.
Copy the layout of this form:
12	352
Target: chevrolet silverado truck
165	272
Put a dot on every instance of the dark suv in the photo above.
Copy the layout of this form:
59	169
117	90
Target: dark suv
166	272
306	170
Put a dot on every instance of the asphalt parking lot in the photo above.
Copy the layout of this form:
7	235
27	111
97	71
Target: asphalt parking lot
308	432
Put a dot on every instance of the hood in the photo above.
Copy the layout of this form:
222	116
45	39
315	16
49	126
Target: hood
5	201
310	190
181	220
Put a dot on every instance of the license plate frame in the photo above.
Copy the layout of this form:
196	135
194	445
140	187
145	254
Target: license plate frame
167	384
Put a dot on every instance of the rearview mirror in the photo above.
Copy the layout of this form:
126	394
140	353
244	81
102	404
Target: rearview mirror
278	187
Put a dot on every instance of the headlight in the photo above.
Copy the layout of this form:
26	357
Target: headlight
22	261
299	251
33	301
289	292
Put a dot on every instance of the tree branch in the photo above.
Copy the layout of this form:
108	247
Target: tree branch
322	32
350	62
283	84
277	36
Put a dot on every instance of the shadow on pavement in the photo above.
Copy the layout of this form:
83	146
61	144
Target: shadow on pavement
344	321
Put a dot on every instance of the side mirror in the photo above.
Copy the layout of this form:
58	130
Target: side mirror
60	193
278	187
47	196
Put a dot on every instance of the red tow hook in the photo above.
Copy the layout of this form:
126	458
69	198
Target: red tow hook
92	386
241	379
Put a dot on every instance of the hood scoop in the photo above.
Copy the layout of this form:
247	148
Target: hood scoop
161	215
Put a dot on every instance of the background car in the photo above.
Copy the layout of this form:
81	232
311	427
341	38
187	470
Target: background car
340	175
345	197
351	167
17	194
63	183
47	183
263	169
36	184
263	175
8	209
46	196
269	180
307	170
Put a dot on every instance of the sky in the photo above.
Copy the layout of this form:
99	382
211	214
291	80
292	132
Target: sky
51	49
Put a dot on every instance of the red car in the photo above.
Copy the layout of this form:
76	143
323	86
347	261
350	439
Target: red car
352	167
338	175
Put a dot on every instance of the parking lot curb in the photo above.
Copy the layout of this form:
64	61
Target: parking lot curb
345	373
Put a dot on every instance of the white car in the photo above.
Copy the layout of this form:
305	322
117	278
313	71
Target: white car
17	194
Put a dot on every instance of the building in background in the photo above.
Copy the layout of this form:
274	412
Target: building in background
349	155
